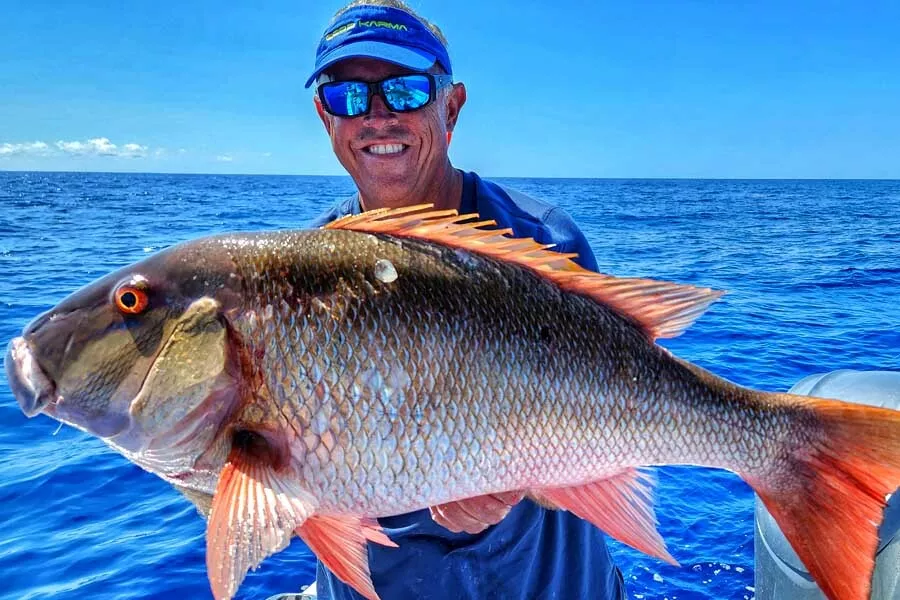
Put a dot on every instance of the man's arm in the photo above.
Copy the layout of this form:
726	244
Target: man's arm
569	238
338	209
549	224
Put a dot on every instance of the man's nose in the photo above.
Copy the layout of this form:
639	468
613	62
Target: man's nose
380	110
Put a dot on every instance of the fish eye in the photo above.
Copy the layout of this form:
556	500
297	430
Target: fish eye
131	299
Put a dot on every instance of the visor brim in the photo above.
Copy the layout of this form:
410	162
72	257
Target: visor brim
411	58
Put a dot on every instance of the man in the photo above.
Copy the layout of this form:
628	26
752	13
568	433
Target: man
385	94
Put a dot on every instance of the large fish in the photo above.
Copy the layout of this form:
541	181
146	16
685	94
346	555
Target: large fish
309	382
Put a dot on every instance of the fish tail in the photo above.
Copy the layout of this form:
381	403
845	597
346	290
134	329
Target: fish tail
828	494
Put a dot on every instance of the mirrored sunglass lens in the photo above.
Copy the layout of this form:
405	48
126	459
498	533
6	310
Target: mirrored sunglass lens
408	92
347	98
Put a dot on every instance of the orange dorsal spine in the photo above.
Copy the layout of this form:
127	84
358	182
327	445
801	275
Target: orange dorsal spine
662	309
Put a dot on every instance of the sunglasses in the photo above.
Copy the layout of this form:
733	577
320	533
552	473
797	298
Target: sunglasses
405	93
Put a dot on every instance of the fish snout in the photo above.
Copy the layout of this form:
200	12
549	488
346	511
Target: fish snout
29	384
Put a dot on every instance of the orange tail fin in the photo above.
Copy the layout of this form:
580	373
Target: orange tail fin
831	496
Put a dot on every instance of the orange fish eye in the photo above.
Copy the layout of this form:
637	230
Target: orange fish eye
131	300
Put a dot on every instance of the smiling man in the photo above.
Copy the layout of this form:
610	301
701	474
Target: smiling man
386	95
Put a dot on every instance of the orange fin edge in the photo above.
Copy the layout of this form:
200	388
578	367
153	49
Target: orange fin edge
621	505
662	309
339	541
830	500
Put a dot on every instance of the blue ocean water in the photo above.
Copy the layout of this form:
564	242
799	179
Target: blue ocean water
812	274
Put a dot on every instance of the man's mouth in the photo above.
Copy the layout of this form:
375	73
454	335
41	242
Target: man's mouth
385	149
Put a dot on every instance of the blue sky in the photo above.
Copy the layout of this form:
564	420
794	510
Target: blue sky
565	88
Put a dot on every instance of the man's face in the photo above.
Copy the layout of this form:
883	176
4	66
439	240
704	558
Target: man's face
393	157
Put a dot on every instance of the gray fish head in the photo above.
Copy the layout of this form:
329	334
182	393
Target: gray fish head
141	358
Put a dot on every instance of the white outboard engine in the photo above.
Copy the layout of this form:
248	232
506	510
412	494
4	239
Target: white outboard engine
779	573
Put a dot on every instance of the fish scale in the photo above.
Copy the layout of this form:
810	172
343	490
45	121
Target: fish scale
502	408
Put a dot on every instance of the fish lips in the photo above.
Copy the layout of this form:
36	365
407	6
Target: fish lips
30	385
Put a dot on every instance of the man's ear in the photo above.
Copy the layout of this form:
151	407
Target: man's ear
324	116
455	101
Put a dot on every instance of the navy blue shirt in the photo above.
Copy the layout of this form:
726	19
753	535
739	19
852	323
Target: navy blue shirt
534	552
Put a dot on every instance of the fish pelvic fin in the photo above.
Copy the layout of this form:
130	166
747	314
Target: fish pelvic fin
621	505
474	515
829	497
254	512
662	309
339	541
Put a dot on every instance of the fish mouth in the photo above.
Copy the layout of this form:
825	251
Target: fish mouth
33	389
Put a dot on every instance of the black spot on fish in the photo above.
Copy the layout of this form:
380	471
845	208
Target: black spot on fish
546	336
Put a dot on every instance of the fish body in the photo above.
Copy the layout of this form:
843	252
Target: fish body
309	382
466	376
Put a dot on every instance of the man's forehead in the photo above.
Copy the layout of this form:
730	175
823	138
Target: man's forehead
366	69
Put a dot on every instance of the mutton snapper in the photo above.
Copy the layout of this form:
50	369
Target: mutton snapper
309	382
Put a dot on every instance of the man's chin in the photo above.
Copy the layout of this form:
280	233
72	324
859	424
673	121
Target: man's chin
388	190
388	200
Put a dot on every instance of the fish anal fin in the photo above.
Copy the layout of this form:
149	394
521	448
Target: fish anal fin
253	515
662	309
474	515
621	505
339	541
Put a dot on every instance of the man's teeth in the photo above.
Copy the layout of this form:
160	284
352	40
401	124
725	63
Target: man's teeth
386	148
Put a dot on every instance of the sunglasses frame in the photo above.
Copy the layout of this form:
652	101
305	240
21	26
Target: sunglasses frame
436	82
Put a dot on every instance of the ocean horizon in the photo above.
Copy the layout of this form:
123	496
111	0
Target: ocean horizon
490	177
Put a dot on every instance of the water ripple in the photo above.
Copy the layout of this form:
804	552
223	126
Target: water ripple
811	273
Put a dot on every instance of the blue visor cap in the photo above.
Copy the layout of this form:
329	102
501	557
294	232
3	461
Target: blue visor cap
380	32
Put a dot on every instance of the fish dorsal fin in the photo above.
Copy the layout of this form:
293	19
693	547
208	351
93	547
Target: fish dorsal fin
662	309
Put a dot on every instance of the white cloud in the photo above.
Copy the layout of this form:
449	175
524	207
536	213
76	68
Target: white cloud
103	147
7	149
136	150
98	146
72	147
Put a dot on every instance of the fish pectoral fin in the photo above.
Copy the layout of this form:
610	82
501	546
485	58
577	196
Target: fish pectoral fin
474	515
339	541
254	513
621	505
